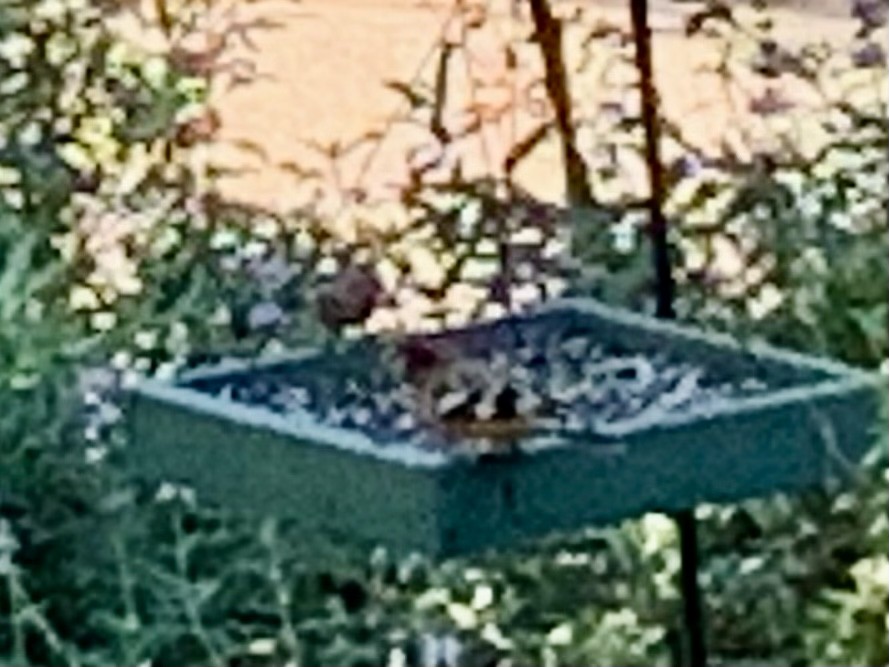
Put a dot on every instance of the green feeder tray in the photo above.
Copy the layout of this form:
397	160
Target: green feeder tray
650	416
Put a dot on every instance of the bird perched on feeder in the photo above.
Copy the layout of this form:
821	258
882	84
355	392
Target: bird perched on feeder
461	396
350	298
421	358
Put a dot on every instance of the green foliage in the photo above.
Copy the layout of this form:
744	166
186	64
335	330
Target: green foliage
117	256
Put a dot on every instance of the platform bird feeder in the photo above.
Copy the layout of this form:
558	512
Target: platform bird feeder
630	415
642	415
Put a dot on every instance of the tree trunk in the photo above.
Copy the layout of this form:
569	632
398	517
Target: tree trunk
548	34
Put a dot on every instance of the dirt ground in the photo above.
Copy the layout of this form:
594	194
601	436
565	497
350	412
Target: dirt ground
322	68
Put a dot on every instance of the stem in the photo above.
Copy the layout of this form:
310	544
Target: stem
19	653
282	596
127	591
472	84
23	611
192	612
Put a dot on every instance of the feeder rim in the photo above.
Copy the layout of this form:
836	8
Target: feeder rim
841	380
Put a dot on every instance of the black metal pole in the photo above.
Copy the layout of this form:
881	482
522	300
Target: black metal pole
693	651
650	122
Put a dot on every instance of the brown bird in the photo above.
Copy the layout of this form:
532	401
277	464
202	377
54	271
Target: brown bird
422	357
350	298
451	389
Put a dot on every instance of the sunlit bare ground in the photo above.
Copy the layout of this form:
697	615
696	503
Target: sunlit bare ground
322	69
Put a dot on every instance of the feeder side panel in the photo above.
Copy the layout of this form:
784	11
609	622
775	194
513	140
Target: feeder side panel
779	448
260	471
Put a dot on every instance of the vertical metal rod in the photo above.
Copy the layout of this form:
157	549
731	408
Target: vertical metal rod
693	647
651	125
694	650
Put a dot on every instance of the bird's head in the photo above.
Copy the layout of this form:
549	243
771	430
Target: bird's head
350	298
422	357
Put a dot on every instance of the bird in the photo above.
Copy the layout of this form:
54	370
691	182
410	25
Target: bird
422	357
459	396
350	298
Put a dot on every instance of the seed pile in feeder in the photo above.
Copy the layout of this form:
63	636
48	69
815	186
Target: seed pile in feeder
491	398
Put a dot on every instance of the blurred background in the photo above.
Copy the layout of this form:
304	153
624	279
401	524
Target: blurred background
179	179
